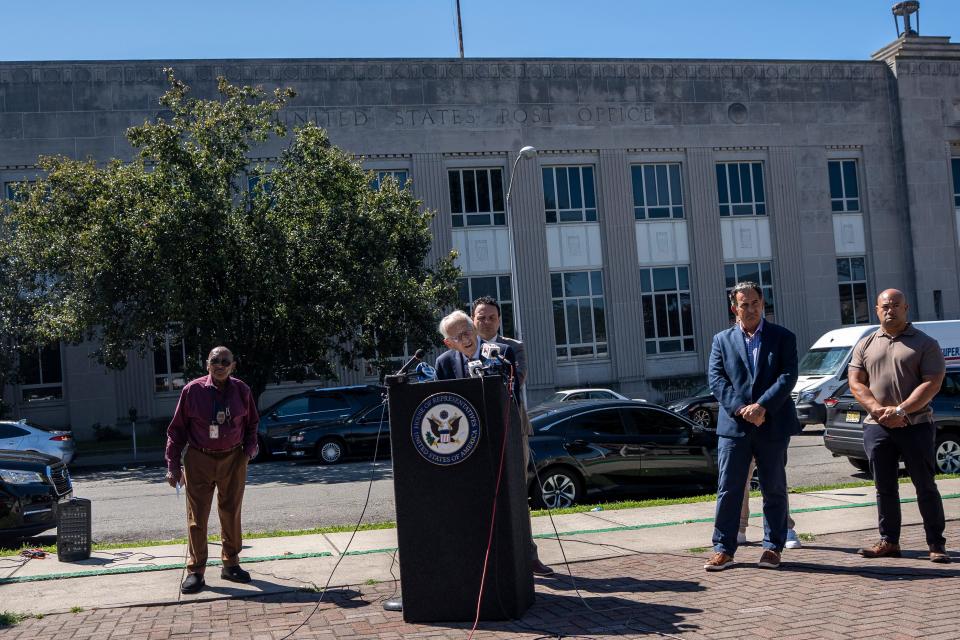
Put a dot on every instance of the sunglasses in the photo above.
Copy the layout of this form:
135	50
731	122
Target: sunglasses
221	362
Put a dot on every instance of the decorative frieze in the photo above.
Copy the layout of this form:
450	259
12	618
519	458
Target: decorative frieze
300	70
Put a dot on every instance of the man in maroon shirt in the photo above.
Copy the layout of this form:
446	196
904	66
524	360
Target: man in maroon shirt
214	433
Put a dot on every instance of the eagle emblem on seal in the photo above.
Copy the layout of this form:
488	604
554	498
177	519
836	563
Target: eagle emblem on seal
443	428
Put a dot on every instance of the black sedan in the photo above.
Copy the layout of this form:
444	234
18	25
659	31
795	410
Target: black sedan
32	487
701	407
615	446
843	434
308	409
357	436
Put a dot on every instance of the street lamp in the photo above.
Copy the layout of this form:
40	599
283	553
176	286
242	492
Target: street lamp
526	152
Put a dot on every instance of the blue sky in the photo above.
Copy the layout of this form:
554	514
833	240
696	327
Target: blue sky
130	29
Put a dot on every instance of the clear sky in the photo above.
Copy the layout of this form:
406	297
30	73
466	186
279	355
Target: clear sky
171	29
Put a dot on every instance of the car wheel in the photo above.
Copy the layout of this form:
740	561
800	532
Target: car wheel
860	464
559	487
948	453
330	451
702	417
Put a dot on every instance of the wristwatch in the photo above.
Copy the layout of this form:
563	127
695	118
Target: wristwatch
900	412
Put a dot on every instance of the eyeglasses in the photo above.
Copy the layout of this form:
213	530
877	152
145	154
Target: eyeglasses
463	335
221	362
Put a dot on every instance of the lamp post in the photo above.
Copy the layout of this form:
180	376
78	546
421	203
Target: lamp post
525	152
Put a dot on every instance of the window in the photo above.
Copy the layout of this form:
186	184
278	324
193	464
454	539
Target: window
667	312
41	374
376	415
740	189
399	175
476	197
498	287
955	165
852	281
9	431
657	191
606	422
311	404
759	272
844	190
579	317
169	358
568	194
654	422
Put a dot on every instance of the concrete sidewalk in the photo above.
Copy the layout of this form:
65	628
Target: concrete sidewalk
289	569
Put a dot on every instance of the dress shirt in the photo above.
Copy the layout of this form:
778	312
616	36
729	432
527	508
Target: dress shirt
200	401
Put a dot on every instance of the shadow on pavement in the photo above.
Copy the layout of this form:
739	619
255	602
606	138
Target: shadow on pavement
593	616
562	582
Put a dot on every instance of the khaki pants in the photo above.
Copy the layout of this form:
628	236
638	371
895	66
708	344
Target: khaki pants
202	472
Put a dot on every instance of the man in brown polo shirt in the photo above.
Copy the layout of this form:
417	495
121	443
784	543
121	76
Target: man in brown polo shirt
894	373
216	424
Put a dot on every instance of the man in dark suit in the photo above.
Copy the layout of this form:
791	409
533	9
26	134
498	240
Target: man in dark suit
752	370
486	318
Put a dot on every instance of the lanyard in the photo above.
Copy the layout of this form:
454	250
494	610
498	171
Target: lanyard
221	413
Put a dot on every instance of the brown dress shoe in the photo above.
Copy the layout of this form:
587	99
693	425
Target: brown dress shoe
718	562
883	549
769	560
938	554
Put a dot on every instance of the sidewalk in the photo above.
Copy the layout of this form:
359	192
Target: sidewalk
638	571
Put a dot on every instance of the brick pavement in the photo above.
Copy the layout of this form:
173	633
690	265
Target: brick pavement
823	591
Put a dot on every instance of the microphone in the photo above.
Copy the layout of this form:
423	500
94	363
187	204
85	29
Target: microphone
475	368
491	351
416	358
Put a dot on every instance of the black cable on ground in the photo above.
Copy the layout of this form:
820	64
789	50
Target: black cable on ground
363	512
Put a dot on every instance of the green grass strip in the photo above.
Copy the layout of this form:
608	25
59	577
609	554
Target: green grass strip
156	567
540	536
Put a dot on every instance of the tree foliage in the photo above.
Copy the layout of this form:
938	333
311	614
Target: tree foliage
309	269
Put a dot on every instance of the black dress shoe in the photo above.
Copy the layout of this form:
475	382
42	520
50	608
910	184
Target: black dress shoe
235	574
193	584
540	569
393	604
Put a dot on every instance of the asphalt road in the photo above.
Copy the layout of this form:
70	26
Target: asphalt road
137	504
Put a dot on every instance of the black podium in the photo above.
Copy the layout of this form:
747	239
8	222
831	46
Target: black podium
446	440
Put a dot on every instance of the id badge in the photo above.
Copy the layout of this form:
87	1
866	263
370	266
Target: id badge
214	431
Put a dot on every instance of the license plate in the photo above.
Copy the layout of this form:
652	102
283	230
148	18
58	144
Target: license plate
853	416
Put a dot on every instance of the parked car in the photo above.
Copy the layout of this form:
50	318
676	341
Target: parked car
23	435
576	395
334	441
309	408
701	407
32	487
615	446
843	435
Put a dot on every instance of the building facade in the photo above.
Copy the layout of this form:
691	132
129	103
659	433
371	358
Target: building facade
656	185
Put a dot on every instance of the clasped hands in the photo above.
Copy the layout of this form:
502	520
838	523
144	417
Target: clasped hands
887	416
752	413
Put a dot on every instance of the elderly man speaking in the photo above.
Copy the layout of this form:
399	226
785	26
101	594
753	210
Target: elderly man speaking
461	338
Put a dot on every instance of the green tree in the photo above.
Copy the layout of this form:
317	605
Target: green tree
309	269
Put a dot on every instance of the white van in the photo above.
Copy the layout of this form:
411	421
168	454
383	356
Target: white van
824	367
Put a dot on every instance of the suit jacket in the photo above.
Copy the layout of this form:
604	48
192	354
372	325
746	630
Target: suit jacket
520	352
774	378
452	364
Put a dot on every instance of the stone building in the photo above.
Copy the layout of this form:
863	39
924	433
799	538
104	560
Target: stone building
656	184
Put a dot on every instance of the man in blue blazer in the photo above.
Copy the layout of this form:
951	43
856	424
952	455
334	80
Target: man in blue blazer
752	370
465	345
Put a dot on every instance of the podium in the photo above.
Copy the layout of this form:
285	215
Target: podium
446	438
